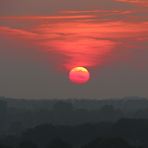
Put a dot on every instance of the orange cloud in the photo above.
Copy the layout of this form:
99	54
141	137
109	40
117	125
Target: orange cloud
84	42
17	32
45	17
139	2
88	44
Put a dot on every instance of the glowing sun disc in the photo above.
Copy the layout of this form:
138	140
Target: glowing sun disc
79	75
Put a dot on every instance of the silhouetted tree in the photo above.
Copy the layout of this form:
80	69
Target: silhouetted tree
3	110
58	143
110	113
63	106
3	106
27	144
4	146
108	143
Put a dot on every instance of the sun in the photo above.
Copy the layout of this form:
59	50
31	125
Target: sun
79	75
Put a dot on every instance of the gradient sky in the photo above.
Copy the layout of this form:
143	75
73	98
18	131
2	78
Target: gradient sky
41	40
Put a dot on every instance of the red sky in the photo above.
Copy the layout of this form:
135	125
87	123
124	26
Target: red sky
110	35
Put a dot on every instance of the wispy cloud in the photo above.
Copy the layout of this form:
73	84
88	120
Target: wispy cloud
138	2
17	32
45	17
84	37
82	42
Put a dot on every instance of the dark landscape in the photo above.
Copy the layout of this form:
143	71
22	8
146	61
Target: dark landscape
85	123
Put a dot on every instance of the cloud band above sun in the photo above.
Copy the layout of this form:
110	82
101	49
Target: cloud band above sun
89	38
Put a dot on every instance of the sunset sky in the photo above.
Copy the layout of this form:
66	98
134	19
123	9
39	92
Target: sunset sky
42	40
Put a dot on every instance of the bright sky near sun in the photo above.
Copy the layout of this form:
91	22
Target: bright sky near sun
42	40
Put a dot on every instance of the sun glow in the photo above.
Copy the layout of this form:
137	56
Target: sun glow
79	75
